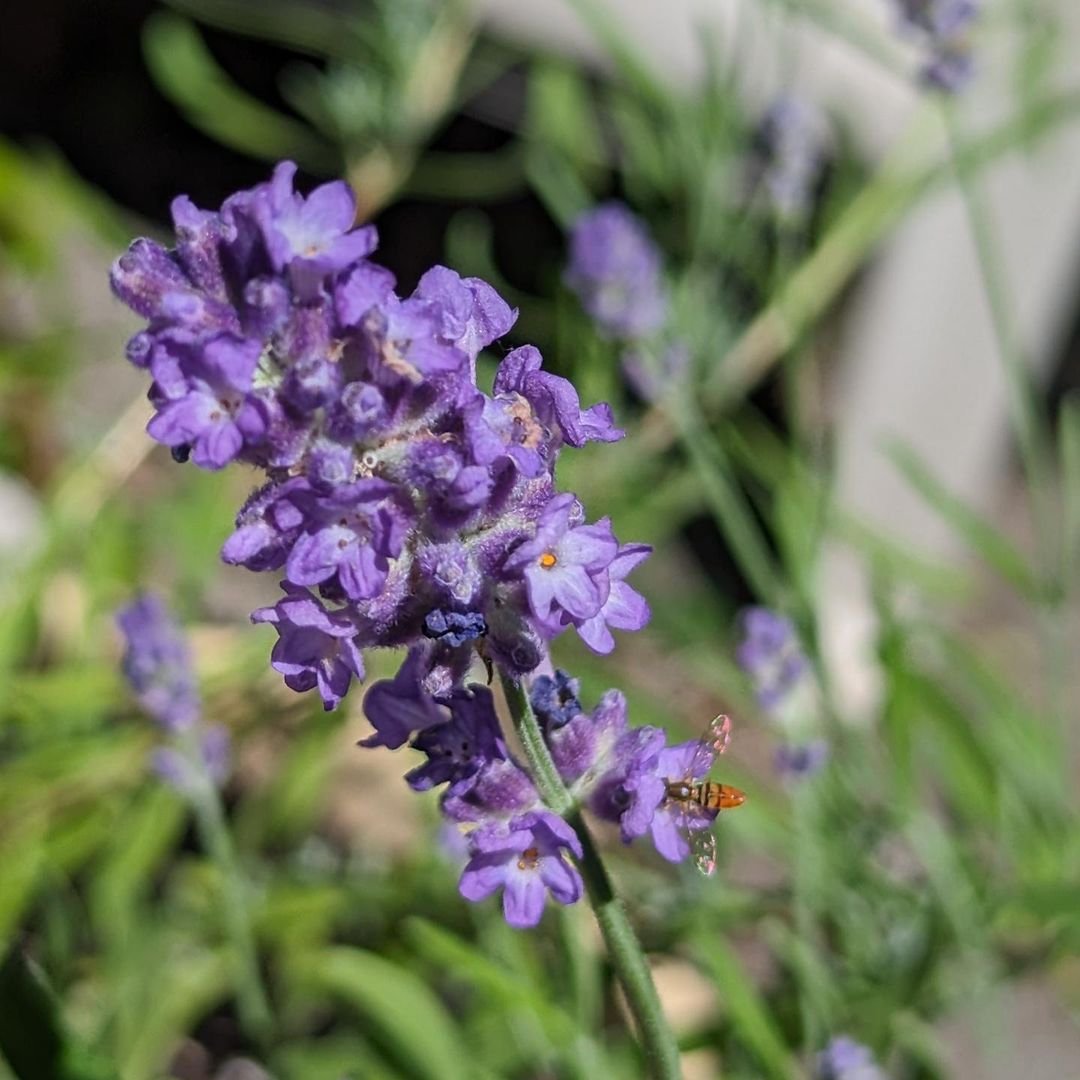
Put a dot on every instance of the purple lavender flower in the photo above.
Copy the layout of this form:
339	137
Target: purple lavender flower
398	707
310	237
944	28
771	655
315	647
788	156
157	663
554	699
845	1059
460	747
207	400
614	268
157	666
625	608
796	761
565	564
527	861
403	506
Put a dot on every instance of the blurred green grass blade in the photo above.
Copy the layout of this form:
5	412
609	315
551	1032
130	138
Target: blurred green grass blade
816	979
185	988
141	841
22	856
750	1016
331	1057
650	168
468	177
188	75
560	114
992	546
603	19
556	183
1069	463
501	984
399	1008
33	1038
964	761
731	509
313	28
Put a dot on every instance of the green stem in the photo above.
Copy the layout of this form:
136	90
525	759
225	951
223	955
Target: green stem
731	509
624	949
213	830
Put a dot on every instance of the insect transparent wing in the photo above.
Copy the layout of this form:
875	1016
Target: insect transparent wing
713	741
695	826
703	850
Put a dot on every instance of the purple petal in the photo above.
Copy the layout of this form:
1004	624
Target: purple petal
523	899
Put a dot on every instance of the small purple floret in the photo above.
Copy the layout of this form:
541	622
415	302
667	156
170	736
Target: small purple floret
316	647
527	860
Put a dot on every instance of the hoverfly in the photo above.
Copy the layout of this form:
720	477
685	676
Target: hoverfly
696	801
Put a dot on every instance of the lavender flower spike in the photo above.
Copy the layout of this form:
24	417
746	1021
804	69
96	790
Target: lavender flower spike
944	28
614	268
771	655
157	666
157	663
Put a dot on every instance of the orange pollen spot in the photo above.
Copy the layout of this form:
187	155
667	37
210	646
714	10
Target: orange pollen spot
529	858
548	560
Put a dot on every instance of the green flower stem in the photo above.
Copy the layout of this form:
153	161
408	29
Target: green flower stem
624	949
252	1003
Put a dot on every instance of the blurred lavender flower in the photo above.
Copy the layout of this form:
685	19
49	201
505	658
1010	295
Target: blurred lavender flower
943	27
157	667
771	655
787	156
615	269
157	664
794	761
845	1059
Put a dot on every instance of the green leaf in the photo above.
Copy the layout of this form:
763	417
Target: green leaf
501	984
557	184
188	75
33	1037
751	1019
332	1058
401	1011
561	116
186	986
22	856
987	542
140	841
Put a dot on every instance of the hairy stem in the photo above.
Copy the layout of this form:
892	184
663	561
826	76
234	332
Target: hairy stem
624	949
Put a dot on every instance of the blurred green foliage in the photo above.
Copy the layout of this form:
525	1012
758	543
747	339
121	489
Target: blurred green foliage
934	858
